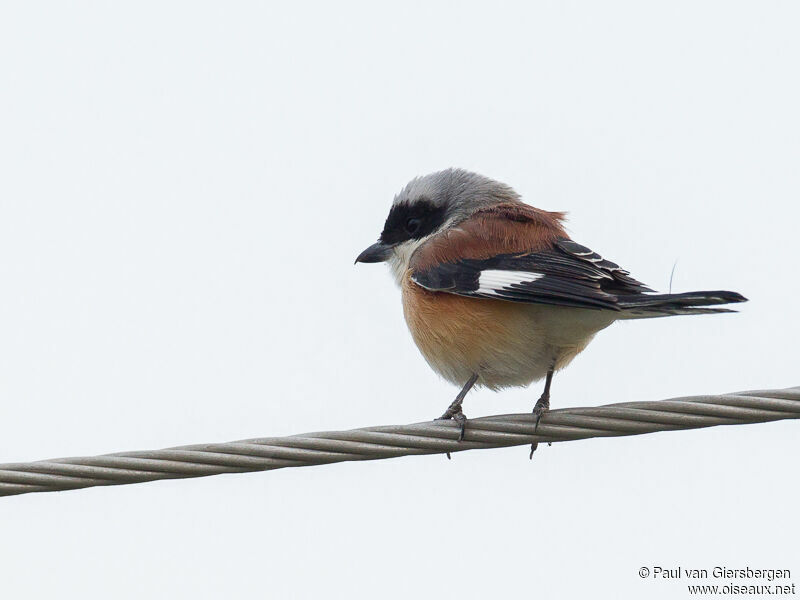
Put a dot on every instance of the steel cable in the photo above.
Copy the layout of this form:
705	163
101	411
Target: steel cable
390	441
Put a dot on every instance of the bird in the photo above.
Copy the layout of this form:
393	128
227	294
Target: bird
496	294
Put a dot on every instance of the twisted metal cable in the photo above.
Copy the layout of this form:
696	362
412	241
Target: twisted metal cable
371	443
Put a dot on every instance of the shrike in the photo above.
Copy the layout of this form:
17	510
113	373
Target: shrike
496	294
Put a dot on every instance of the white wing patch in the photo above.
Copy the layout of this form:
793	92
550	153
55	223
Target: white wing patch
492	280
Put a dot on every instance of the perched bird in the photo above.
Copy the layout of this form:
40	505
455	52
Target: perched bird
496	294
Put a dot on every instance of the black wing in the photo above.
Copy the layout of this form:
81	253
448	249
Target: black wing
566	275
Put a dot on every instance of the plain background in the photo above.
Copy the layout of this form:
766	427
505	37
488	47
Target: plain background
184	188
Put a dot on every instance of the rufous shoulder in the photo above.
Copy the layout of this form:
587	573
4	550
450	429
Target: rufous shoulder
506	228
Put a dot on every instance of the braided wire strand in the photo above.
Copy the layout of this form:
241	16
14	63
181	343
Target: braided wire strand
390	441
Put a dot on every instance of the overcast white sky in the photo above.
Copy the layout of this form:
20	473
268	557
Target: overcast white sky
184	188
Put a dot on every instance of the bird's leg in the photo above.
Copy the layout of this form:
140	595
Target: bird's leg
542	406
454	410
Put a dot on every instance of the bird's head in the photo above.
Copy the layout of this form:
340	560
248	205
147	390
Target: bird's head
428	205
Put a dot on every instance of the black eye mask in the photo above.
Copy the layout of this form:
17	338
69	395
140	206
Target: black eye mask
412	221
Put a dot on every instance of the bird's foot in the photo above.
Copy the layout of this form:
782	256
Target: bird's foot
454	410
457	415
541	407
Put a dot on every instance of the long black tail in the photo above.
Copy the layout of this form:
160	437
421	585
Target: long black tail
644	306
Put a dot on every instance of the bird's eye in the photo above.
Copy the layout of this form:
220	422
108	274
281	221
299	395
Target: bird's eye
412	226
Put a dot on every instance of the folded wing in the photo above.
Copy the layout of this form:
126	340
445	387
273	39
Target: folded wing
567	274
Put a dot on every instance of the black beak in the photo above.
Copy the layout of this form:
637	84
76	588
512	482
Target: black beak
378	252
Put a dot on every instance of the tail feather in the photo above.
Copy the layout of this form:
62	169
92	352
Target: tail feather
642	306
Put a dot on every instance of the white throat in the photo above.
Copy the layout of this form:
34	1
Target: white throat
401	256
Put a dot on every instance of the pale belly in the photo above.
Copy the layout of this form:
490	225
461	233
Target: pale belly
505	343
